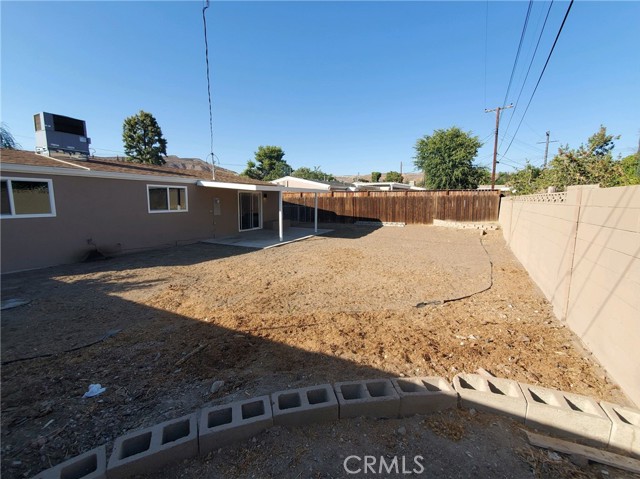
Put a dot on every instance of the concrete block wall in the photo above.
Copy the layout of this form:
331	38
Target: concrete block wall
149	449
295	407
582	248
494	395
424	395
222	425
370	398
567	415
90	465
559	412
625	428
541	235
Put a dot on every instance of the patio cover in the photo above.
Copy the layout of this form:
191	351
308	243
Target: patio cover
261	187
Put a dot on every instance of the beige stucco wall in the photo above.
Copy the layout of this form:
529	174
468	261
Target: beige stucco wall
114	215
584	253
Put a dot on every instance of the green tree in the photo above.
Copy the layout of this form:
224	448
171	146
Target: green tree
525	181
630	169
375	176
394	176
6	138
502	178
592	163
446	157
483	175
268	164
143	140
315	174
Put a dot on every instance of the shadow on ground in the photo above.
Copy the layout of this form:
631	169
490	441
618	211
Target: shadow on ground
45	419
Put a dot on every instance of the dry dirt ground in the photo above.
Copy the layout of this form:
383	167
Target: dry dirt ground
331	308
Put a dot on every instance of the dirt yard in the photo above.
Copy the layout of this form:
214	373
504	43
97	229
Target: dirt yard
331	308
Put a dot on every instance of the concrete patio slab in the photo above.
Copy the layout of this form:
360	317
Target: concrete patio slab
264	239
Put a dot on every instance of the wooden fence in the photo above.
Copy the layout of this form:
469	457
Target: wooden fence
410	207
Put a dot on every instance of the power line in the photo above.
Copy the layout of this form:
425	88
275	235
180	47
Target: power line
529	69
206	56
515	63
486	36
522	143
541	74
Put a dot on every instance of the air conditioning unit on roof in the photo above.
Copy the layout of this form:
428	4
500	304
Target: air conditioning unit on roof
60	134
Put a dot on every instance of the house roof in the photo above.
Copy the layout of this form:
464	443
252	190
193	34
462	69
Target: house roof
69	166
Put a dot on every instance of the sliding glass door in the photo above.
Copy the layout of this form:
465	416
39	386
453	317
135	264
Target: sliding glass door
250	208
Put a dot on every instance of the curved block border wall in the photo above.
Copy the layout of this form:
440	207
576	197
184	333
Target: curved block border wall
560	413
582	249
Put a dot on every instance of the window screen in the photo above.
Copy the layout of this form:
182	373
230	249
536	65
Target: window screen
165	198
30	197
176	199
158	199
26	197
4	198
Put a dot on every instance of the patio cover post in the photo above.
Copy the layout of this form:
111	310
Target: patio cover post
280	216
315	214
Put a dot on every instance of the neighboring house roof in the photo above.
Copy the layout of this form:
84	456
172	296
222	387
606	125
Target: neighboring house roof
288	181
386	186
72	166
497	187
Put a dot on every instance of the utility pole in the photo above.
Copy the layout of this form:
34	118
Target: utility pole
546	148
495	143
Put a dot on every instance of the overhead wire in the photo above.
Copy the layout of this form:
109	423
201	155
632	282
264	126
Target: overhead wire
528	70
486	36
515	63
541	74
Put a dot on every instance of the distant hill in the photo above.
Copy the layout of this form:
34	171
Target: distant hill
173	161
187	163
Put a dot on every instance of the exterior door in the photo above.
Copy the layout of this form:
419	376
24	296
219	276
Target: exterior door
250	210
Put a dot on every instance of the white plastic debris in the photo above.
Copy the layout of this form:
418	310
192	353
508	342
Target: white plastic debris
94	390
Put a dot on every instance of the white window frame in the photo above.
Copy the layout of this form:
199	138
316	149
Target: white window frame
167	187
240	211
52	202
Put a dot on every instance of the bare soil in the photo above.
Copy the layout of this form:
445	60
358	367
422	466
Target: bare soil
332	308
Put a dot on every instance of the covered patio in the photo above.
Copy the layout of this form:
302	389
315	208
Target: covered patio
265	188
265	239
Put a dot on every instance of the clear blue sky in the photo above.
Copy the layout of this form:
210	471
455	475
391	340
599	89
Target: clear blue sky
347	86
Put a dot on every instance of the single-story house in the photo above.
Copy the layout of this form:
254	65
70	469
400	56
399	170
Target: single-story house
304	184
57	211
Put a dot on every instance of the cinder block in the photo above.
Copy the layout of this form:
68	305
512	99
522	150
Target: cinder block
424	395
90	465
494	395
223	425
149	449
369	398
566	415
625	428
296	407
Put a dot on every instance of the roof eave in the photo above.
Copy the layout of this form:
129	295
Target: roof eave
64	171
